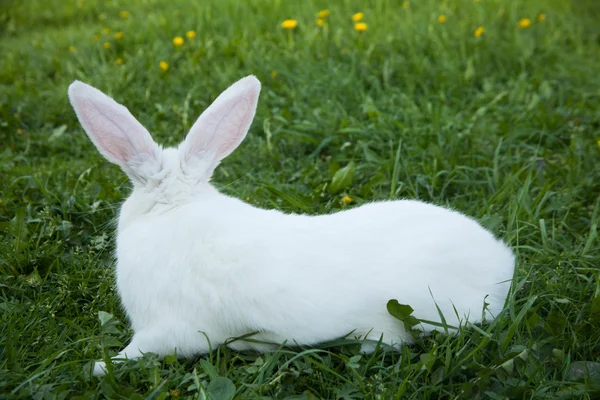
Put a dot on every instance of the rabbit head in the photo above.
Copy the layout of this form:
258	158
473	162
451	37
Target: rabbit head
168	176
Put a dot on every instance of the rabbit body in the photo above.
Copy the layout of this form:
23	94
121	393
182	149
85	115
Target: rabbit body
196	267
220	266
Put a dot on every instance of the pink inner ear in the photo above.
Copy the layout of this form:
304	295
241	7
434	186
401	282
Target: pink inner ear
106	134
234	130
110	126
223	126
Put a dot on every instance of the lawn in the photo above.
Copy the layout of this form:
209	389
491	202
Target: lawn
491	107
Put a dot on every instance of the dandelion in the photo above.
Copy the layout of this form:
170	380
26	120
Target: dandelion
163	65
442	18
190	34
124	14
119	61
406	4
273	74
106	31
177	41
347	200
72	49
541	17
360	27
97	36
320	22
524	23
106	45
289	24
119	35
358	16
323	14
174	392
479	31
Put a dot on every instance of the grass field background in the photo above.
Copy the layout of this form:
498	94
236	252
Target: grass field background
504	126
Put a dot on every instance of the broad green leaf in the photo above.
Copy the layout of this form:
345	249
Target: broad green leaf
402	312
588	371
342	178
221	388
371	155
555	322
428	360
104	317
209	369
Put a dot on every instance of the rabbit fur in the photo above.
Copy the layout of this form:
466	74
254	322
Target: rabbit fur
196	267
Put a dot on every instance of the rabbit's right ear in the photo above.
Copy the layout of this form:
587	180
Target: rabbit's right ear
222	126
116	133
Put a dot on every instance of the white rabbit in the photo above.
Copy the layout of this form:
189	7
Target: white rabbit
196	266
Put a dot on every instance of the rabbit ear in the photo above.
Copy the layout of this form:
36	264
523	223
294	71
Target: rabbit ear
116	133
223	125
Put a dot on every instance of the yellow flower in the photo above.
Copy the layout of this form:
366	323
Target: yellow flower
106	45
406	4
124	14
320	22
524	23
323	14
358	16
442	18
541	17
20	131
72	49
479	31
174	392
177	41
360	27
97	36
119	61
106	31
289	24
346	200
273	74
163	65
190	34
119	35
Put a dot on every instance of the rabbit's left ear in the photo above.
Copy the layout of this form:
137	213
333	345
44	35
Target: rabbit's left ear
223	125
116	133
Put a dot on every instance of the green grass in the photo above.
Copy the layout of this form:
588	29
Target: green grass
503	127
